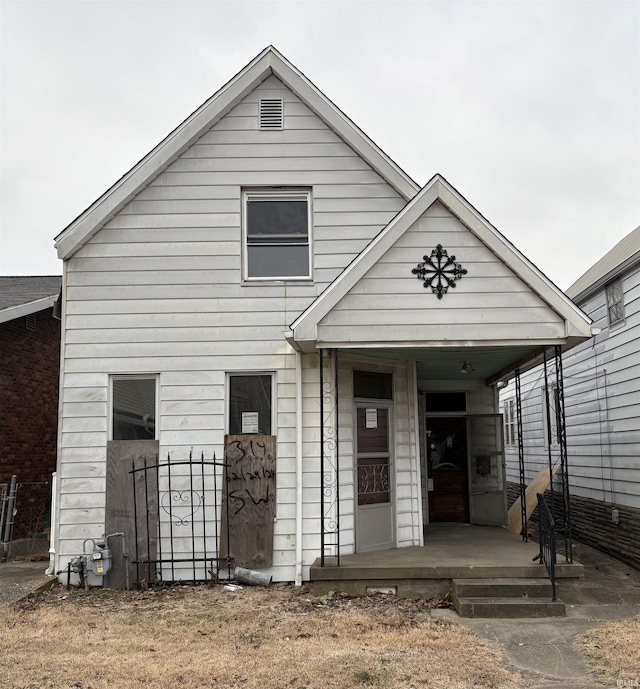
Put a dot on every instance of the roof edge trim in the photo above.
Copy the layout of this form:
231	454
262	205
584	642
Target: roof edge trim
14	312
268	62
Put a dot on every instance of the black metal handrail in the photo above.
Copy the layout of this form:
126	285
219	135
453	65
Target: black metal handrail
547	536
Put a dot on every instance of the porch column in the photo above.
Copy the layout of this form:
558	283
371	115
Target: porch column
329	457
523	479
564	463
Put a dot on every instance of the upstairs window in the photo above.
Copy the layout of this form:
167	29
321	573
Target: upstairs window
277	236
615	302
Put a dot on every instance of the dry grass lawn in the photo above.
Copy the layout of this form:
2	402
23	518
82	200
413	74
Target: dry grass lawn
613	650
281	637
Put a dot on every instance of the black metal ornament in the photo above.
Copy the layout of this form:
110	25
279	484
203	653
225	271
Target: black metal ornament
441	273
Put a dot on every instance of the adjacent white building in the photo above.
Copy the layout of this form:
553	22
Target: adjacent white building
602	408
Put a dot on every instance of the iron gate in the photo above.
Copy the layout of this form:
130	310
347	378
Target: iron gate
180	517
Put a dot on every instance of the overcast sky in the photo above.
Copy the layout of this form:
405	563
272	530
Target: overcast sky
530	108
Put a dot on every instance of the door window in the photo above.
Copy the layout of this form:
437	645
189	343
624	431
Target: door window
373	456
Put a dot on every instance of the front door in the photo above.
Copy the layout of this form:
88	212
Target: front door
374	510
447	473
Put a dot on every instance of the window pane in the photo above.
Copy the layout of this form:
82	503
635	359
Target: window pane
278	261
614	293
373	385
373	439
445	401
615	302
616	313
134	409
250	402
277	217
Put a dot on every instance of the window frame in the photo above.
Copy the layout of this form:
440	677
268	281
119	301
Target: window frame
510	423
620	302
227	406
293	194
135	376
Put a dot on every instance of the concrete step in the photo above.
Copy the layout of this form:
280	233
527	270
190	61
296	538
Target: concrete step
506	607
499	587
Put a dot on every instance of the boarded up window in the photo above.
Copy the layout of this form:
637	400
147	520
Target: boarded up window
249	504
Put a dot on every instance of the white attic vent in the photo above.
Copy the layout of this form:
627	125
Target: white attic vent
271	113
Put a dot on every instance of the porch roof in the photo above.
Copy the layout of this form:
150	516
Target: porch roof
441	346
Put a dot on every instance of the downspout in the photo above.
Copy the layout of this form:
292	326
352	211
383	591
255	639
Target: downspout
298	576
53	534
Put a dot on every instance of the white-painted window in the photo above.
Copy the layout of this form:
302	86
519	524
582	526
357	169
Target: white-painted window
615	302
550	403
277	234
251	405
134	401
510	423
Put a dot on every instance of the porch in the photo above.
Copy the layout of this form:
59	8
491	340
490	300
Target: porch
451	552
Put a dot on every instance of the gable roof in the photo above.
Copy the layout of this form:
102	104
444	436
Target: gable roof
268	62
24	295
623	255
304	328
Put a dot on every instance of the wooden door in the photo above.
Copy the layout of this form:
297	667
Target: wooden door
447	469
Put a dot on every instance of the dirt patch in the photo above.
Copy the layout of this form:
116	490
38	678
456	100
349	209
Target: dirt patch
281	637
613	650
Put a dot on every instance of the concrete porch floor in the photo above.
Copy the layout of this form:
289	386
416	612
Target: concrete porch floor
450	551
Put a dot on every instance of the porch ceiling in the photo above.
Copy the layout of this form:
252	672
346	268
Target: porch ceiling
445	363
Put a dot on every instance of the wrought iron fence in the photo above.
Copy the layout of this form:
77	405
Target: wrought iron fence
547	535
181	529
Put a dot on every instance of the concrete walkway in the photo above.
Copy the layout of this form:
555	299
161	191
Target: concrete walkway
543	648
22	577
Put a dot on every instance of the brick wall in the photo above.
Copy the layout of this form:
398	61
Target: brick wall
591	524
29	367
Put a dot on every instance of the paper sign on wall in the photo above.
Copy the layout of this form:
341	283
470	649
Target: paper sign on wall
249	421
371	417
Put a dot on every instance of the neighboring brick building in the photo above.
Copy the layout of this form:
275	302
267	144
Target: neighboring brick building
29	370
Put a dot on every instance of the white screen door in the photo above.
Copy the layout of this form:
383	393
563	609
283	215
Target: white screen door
374	498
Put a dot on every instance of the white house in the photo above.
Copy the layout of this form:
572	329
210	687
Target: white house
267	269
602	409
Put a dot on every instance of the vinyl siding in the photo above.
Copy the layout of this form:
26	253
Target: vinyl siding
602	407
488	303
158	290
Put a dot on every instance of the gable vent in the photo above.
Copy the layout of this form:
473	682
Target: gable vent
271	113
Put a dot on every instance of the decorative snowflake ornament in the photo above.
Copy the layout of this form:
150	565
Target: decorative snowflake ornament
439	271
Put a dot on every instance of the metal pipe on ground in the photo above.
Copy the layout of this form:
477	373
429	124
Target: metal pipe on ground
251	576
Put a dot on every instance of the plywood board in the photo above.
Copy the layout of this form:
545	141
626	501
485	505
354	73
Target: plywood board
539	484
119	515
251	496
